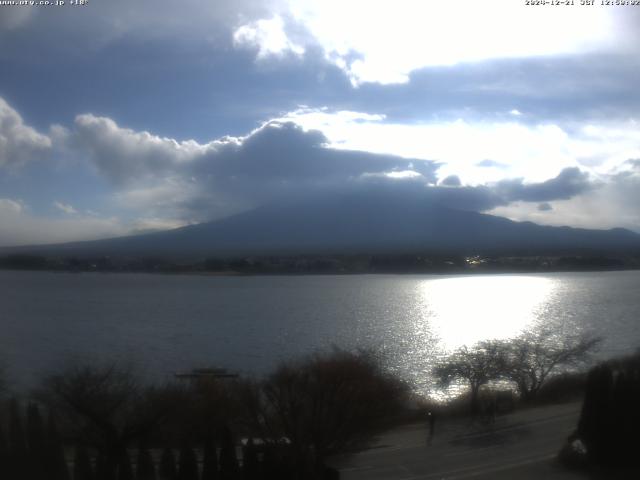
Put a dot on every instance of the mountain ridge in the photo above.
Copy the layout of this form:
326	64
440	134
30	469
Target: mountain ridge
351	224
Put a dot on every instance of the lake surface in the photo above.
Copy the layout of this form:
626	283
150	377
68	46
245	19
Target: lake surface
169	323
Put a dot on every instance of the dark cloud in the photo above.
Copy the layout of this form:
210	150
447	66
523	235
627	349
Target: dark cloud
451	181
569	183
278	160
545	207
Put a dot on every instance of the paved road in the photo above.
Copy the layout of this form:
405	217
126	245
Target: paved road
522	445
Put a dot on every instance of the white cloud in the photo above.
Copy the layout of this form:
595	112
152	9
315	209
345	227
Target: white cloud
65	207
9	206
192	181
153	224
268	37
534	152
384	41
19	143
122	154
14	18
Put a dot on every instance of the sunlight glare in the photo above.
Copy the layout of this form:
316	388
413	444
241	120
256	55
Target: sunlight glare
465	310
391	39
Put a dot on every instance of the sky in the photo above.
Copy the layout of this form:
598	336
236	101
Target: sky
120	117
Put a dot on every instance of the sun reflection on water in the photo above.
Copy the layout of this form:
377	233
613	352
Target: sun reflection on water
464	310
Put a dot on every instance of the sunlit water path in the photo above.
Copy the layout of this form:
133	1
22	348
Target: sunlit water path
169	323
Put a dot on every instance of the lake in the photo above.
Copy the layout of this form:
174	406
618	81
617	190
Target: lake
169	323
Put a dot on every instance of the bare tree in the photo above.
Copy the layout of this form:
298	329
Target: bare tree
106	406
475	366
325	404
529	359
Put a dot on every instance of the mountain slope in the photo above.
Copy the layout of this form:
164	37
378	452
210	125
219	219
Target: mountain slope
355	224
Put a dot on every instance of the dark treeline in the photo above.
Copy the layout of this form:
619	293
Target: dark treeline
104	423
610	418
328	264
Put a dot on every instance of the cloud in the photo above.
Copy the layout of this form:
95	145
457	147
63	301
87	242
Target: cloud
491	164
396	38
65	207
185	181
614	203
20	226
268	37
123	154
545	207
157	182
484	150
198	181
9	206
569	183
19	143
451	181
104	23
13	18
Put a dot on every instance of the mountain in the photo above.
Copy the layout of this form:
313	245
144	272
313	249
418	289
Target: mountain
355	223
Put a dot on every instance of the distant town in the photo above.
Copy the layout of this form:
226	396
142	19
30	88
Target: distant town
327	264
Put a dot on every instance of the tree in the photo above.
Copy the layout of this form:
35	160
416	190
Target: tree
168	470
529	359
228	459
188	464
57	464
610	421
145	468
249	461
107	406
476	366
37	442
18	460
326	404
210	461
125	472
82	469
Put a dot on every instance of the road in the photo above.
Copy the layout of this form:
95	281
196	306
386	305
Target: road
521	445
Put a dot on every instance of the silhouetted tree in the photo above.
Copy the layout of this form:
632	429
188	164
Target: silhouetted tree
57	464
105	467
228	459
82	469
529	359
107	406
476	366
188	464
37	442
4	451
18	460
609	422
249	461
125	472
210	461
146	470
168	470
328	403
